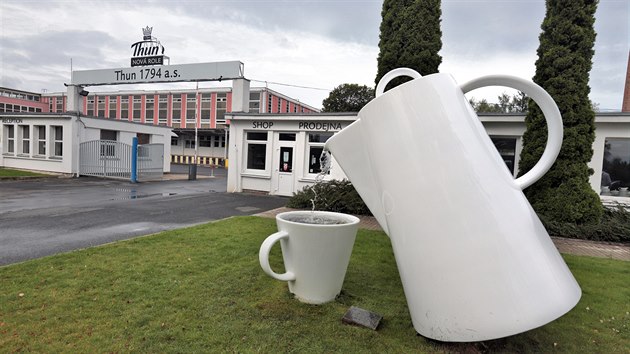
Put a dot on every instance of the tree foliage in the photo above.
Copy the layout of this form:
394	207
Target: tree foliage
410	37
564	62
516	103
347	98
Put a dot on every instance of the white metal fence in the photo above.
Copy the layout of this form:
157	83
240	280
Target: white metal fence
112	159
150	161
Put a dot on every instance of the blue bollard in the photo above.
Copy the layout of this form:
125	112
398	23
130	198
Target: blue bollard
134	160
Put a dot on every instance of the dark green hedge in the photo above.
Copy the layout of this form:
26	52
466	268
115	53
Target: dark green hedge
341	197
614	227
337	196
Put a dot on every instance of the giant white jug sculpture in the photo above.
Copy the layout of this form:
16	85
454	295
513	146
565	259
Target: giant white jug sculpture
475	261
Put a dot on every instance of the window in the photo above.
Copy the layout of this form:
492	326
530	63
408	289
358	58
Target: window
58	140
124	108
109	135
163	109
221	107
59	103
254	102
286	159
286	137
149	110
26	139
108	146
177	109
315	148
616	167
10	138
112	106
506	146
219	141
174	141
90	105
101	107
205	141
206	101
40	135
256	150
268	103
189	144
137	108
143	138
191	105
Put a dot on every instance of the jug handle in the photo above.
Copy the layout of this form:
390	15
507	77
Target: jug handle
380	88
550	111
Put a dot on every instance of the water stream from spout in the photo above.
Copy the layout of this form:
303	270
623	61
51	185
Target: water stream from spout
324	164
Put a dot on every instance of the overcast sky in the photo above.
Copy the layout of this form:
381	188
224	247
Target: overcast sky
316	43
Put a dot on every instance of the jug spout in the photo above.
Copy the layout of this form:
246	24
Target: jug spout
350	150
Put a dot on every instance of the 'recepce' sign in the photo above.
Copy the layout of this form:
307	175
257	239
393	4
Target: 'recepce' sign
149	51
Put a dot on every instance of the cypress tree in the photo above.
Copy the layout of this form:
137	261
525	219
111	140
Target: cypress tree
410	37
564	61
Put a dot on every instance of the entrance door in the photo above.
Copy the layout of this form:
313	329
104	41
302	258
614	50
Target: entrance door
284	163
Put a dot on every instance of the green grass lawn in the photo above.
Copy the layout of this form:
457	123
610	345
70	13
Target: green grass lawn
201	289
8	172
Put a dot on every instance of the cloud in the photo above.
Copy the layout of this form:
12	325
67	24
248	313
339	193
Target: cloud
315	43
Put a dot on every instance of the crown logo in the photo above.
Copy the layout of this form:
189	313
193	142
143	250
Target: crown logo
147	33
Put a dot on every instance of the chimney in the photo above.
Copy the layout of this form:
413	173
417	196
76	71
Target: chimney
625	106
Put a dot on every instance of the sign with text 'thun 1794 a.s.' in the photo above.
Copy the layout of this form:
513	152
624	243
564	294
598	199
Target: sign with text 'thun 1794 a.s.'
226	70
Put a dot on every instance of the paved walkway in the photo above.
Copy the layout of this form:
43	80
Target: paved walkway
564	245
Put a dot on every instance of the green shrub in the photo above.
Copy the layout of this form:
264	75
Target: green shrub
337	196
341	197
614	227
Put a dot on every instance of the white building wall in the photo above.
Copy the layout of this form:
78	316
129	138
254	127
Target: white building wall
608	125
75	131
271	179
32	160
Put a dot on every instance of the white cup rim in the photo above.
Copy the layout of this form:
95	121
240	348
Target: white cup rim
349	219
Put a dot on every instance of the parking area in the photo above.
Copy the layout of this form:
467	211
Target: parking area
46	216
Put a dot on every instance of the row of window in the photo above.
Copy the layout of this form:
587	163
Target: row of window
123	107
7	107
204	141
615	178
38	140
19	95
287	106
258	142
96	106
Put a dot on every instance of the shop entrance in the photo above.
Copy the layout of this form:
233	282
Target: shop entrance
283	162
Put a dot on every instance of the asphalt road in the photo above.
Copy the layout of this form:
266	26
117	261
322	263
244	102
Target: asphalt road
48	216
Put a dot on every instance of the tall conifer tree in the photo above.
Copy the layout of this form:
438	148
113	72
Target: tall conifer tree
564	62
410	37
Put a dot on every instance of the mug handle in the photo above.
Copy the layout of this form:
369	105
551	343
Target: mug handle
380	88
550	111
263	256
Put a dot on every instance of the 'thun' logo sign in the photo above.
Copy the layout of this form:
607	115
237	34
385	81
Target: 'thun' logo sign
149	51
